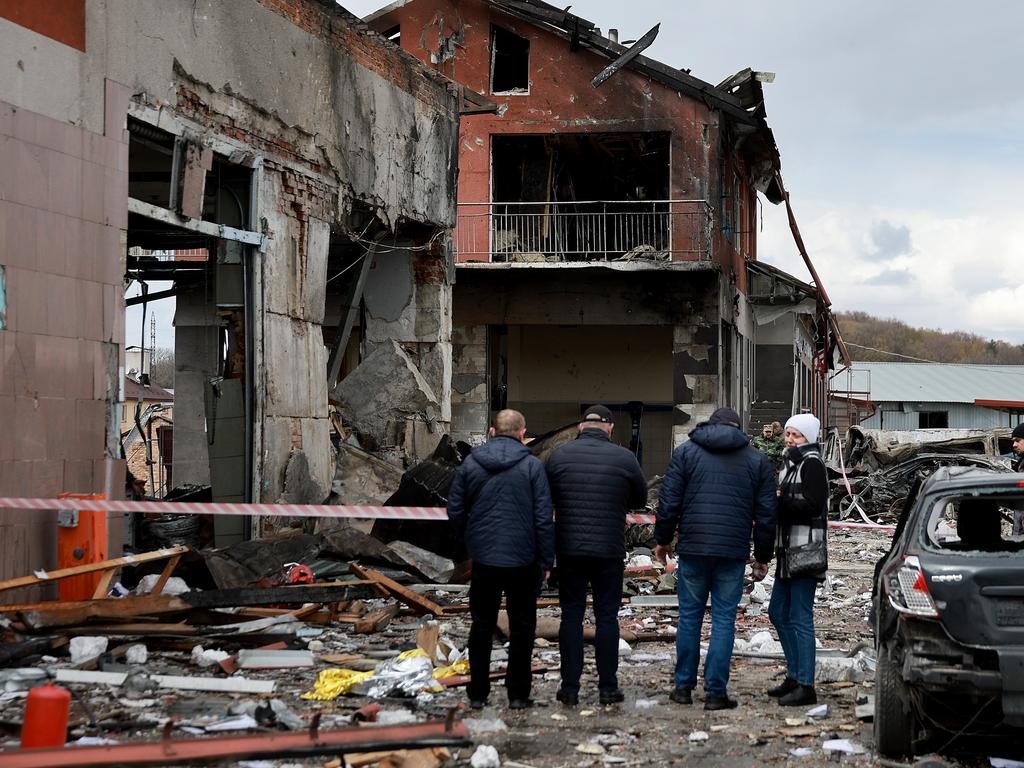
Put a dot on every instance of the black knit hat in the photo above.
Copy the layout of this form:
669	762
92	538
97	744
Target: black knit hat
1018	431
725	416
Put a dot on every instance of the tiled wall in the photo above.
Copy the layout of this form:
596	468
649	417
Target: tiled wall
63	213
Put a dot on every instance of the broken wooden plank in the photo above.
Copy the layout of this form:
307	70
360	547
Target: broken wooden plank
178	682
375	621
165	574
45	577
631	53
417	602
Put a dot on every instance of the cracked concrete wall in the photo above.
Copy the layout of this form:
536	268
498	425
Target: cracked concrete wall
338	117
470	399
408	300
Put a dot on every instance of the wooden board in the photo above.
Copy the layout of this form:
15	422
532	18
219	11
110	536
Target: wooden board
376	620
417	602
47	576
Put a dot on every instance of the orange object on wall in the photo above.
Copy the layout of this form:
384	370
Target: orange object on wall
80	542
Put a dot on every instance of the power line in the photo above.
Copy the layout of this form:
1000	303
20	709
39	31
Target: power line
1000	369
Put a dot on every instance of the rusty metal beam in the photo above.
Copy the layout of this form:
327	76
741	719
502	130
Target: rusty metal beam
631	53
169	751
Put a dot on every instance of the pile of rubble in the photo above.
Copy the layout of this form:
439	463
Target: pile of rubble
337	639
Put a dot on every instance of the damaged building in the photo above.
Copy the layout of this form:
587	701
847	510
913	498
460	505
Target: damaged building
290	172
606	244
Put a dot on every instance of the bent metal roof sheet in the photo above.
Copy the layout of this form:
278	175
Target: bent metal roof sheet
940	382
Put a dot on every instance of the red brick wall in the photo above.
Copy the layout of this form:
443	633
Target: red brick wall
561	98
60	20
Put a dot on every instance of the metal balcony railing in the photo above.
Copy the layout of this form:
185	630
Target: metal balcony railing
597	230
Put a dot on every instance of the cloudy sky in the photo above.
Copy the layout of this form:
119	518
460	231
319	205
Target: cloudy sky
899	126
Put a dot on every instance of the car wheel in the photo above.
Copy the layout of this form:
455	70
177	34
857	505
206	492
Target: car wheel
894	719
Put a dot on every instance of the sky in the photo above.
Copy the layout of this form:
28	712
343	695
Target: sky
899	126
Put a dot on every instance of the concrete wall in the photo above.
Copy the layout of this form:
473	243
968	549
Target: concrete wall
63	193
336	116
684	302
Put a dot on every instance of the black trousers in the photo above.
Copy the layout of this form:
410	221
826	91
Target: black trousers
604	575
519	586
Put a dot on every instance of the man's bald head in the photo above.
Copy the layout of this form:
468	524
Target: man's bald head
509	422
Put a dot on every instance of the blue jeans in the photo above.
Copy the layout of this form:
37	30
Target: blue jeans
791	610
722	578
605	578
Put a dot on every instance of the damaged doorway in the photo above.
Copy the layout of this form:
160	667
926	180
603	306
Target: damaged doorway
581	197
553	373
190	261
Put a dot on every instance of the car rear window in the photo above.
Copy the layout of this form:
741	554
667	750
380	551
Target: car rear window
993	523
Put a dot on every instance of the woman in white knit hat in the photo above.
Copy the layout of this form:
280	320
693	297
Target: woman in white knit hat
803	518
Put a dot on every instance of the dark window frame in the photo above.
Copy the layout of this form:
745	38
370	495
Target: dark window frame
500	38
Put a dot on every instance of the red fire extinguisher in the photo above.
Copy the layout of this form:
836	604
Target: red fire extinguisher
46	717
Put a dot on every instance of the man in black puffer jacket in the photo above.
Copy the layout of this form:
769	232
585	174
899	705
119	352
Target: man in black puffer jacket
717	486
500	501
594	483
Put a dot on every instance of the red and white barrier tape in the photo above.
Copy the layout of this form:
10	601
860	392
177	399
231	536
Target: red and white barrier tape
283	510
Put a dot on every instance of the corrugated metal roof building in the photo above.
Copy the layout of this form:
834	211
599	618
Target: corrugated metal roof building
941	395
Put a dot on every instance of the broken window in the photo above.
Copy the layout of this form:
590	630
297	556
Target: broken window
510	62
978	523
582	197
933	420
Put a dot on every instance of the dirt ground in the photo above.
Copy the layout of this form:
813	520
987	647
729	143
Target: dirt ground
645	730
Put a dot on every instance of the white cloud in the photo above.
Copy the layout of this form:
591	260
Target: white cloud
958	274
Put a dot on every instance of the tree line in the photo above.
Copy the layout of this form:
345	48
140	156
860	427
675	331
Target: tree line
892	335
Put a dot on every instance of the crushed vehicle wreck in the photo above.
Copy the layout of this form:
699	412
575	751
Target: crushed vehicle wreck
948	611
872	472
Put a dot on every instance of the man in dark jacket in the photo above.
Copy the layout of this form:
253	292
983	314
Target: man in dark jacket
594	483
715	488
1017	463
501	501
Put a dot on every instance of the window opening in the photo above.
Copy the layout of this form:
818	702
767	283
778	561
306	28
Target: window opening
978	524
510	62
933	420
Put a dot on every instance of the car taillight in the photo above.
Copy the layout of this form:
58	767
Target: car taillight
908	590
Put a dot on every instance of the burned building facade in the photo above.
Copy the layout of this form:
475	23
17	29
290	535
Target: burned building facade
306	160
607	213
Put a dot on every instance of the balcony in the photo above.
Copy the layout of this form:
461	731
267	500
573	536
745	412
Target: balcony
589	231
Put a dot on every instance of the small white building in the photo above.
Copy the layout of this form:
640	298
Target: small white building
907	396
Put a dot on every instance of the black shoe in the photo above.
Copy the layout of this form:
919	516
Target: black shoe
567	697
520	703
477	703
782	688
800	696
712	702
681	696
611	697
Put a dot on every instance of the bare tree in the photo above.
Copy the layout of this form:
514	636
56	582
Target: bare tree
162	367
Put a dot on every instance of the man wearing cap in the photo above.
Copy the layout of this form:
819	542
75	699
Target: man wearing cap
500	501
594	483
716	489
771	445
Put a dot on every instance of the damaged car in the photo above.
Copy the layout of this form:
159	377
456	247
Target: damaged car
948	614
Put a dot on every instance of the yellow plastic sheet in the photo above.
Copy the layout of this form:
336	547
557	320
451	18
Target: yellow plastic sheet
458	668
332	683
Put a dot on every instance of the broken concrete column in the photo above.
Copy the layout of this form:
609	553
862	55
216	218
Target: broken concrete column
694	374
470	410
382	391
